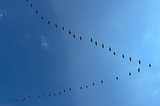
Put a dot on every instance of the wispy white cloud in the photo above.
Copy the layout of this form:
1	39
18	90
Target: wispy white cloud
3	13
44	43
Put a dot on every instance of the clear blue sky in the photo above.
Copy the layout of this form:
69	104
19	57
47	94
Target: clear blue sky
39	59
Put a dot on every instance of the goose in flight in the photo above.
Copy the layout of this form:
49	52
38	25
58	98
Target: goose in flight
64	91
86	86
70	89
149	65
80	38
101	81
91	40
69	32
123	55
139	62
96	43
48	22
59	93
130	58
36	12
80	87
42	17
117	78
93	84
54	94
63	28
42	95
49	94
139	70
129	74
56	25
29	96
74	35
31	5
110	49
102	45
114	53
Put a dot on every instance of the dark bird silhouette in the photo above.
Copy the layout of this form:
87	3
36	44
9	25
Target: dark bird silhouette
59	93
42	95
149	65
64	91
24	98
114	53
38	96
74	35
101	81
12	100
102	45
42	17
139	62
139	70
69	32
18	100
9	101
29	96
49	94
110	49
36	12
93	84
123	55
56	25
96	43
80	87
70	89
63	28
27	0
129	74
86	86
54	94
130	58
80	38
48	22
3	101
31	5
117	78
91	40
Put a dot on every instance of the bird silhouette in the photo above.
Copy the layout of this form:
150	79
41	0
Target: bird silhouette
42	95
139	70
59	93
130	58
139	62
96	43
70	89
123	55
9	101
36	12
117	78
74	35
91	40
80	38
56	25
114	53
63	28
69	32
54	94
101	81
149	65
27	0
29	96
129	74
42	17
48	22
3	101
18	100
31	5
12	100
38	96
102	45
64	91
80	87
93	84
24	98
86	86
49	94
110	49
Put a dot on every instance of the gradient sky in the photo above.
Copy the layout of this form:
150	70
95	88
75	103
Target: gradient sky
39	59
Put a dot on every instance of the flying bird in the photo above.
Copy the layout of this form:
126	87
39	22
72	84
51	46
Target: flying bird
64	91
102	45
130	58
3	101
93	84
149	65
86	86
63	28
70	89
117	78
114	53
80	38
24	98
129	74
110	49
48	22
31	5
139	70
56	25
74	35
49	94
29	96
12	100
38	96
101	81
139	62
18	100
54	94
96	43
69	32
80	87
42	17
36	12
9	101
42	95
123	55
27	0
59	93
91	40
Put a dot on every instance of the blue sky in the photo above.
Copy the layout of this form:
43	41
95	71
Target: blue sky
39	59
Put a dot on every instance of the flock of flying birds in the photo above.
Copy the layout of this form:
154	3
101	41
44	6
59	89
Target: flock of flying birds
81	40
49	95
